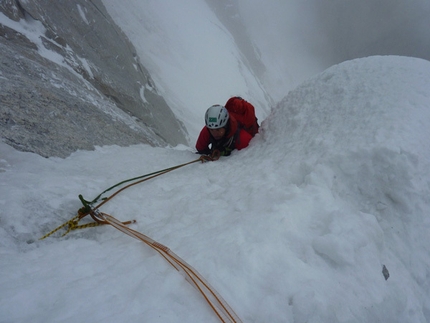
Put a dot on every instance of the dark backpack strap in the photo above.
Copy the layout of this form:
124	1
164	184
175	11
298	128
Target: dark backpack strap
226	146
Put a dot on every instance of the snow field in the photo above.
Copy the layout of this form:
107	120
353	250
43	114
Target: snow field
295	228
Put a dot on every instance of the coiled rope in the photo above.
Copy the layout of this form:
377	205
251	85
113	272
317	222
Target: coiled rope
224	312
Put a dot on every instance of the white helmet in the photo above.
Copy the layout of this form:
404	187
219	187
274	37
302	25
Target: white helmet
216	117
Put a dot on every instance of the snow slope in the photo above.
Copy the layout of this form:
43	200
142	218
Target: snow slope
295	228
193	59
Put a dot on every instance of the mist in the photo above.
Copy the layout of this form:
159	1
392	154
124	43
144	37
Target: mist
300	38
363	28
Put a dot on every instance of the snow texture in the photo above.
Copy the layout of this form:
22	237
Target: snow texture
295	228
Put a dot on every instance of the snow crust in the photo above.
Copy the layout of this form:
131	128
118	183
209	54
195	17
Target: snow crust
295	228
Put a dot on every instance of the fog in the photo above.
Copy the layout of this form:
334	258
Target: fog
299	38
364	28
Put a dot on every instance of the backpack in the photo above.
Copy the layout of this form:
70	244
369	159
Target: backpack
244	113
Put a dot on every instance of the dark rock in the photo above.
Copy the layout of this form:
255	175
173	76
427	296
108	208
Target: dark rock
81	86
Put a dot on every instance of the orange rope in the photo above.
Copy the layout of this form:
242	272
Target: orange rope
224	312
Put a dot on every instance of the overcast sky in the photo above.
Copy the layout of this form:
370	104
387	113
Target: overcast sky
307	36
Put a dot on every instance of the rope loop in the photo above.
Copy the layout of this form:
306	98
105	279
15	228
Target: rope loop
73	224
89	208
224	312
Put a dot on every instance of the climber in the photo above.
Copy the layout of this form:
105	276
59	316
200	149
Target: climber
221	134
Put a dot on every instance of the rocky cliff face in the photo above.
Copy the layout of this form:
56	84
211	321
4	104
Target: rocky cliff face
70	79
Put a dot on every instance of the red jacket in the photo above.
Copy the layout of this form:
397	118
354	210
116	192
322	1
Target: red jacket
235	138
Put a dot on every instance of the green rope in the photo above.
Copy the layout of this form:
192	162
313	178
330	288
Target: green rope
98	198
88	205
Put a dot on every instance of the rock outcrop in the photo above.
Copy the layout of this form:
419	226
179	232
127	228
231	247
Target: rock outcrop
70	79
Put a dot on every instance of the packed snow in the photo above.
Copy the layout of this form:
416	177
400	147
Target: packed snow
295	228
